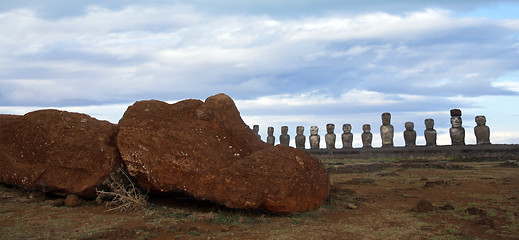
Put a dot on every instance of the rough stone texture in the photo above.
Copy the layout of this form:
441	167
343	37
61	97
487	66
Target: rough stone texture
284	138
314	138
457	132
271	140
6	117
330	136
60	152
387	131
481	130
409	135
367	136
208	152
72	201
347	136
424	206
429	132
300	137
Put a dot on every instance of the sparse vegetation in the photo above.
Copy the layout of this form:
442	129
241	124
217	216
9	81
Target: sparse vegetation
122	196
354	210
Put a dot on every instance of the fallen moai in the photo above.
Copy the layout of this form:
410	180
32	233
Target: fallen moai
7	117
204	149
57	151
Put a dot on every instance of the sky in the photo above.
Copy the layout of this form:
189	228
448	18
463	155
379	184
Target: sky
285	63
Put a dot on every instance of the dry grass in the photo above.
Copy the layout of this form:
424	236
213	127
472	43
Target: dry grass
123	197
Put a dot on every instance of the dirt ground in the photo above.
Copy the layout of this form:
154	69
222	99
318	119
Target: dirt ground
368	200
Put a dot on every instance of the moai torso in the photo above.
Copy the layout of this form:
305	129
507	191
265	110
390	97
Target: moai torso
429	133
284	138
330	137
347	136
255	129
387	130
457	132
409	135
314	138
300	138
367	136
270	138
481	130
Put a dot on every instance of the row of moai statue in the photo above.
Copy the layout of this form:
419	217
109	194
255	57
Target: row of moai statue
457	133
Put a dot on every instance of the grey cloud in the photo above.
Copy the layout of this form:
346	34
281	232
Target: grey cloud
252	56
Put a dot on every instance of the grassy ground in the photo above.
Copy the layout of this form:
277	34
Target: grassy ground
367	201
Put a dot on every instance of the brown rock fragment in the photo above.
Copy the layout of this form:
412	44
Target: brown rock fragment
56	151
205	149
72	201
424	206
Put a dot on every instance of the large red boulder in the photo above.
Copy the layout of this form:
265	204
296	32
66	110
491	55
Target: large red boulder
57	151
7	117
205	149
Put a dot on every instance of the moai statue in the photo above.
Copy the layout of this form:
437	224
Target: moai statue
284	138
481	130
347	136
270	138
314	138
429	133
255	129
457	132
409	135
330	136
367	136
300	138
387	130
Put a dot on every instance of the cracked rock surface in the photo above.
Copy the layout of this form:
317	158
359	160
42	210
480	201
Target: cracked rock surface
204	149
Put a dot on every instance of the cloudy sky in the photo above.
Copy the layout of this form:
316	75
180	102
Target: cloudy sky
283	62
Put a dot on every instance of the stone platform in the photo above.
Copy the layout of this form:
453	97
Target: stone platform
494	152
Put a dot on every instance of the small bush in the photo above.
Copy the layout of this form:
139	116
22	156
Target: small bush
121	196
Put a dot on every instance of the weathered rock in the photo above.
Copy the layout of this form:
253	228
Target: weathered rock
6	117
72	201
424	206
387	130
429	132
447	207
347	136
457	132
330	136
367	136
56	151
208	152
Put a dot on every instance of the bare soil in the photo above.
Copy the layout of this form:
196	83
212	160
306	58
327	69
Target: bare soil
368	200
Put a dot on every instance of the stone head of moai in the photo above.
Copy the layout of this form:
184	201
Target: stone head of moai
300	130
314	130
270	131
456	121
284	130
409	126
346	128
429	123
255	128
366	128
481	120
330	127
386	118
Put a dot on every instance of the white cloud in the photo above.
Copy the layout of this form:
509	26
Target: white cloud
512	86
109	112
329	66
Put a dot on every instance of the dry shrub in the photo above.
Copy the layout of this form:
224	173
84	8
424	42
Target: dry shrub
122	195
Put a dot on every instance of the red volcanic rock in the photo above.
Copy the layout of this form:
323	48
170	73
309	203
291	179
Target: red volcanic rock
6	117
205	149
56	151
